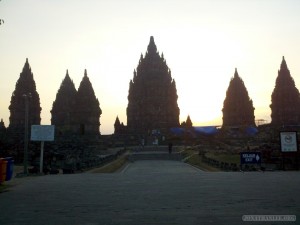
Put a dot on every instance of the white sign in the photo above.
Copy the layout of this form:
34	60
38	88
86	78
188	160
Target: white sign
288	141
42	132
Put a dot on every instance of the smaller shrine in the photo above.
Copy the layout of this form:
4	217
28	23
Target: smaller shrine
238	108
285	104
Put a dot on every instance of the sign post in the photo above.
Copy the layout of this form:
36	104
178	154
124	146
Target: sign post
42	133
288	144
288	141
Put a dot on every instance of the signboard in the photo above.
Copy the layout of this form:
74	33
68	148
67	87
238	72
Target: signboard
250	157
42	132
288	141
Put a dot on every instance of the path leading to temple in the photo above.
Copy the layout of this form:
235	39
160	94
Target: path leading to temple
151	192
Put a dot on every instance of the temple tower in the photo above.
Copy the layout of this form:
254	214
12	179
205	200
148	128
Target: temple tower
188	123
285	103
238	108
152	98
119	127
24	94
86	118
63	106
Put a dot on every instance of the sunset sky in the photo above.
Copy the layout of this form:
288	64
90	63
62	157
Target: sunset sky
203	41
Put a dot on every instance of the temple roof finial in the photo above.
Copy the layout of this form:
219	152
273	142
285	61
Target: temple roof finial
152	47
236	73
283	64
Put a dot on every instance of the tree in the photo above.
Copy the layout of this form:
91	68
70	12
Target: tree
1	20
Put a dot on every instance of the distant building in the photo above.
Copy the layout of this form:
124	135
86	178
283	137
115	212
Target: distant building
25	91
188	123
285	104
152	98
76	112
238	108
119	127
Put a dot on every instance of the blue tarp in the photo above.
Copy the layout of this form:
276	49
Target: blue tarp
206	130
251	130
177	130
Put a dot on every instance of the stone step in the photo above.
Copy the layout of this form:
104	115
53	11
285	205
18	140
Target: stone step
154	156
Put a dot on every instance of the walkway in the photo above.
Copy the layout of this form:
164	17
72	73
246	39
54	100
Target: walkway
151	193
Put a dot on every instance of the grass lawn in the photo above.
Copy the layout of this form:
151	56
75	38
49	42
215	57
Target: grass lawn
196	161
193	158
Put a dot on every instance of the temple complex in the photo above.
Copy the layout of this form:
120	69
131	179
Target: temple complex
285	104
24	96
238	108
152	98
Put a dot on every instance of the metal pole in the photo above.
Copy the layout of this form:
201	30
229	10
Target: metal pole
42	157
26	136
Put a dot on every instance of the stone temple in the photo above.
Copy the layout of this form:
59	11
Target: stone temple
152	98
25	91
285	104
76	112
238	108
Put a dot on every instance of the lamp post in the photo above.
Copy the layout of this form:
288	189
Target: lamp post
26	96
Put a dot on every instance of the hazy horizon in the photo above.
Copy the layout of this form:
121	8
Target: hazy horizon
203	42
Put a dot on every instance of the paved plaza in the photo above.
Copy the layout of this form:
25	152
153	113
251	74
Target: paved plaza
151	192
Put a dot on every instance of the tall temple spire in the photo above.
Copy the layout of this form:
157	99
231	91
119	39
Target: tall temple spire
238	108
25	86
87	109
285	104
152	97
62	108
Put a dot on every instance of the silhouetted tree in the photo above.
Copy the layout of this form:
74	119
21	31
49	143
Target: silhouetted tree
1	20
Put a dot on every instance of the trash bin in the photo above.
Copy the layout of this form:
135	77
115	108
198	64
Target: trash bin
9	168
3	164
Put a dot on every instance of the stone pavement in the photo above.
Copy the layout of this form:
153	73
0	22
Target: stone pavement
151	192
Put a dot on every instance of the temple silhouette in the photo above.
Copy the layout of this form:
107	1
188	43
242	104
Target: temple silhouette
76	112
238	108
285	104
152	98
152	110
24	93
